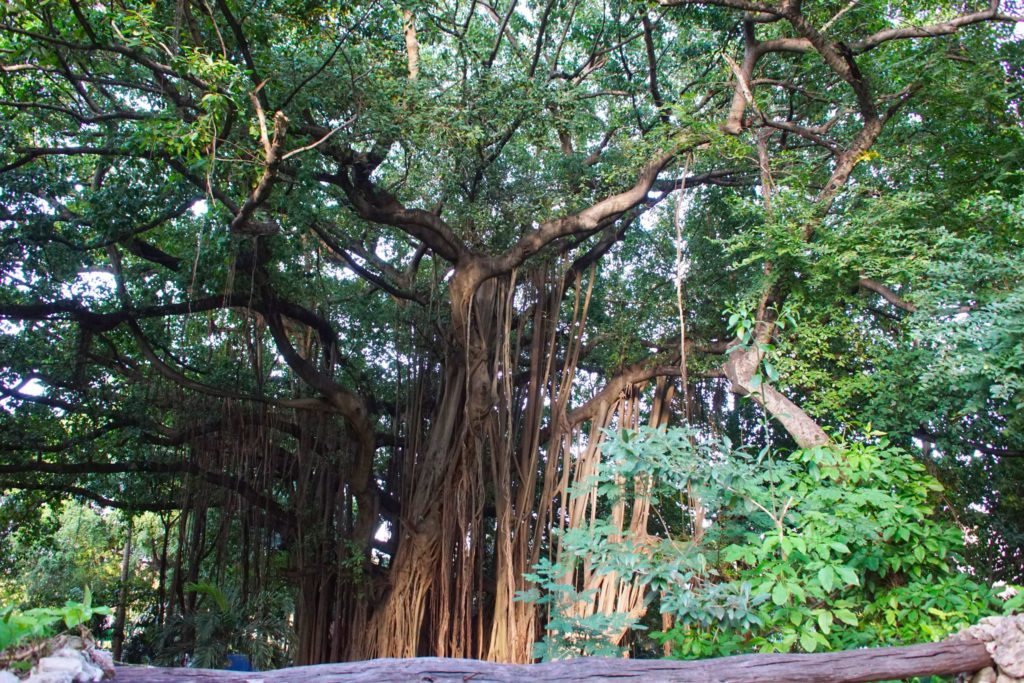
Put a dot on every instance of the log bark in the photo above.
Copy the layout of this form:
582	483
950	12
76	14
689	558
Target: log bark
949	657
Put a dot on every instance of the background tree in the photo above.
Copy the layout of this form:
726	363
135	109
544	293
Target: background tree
357	288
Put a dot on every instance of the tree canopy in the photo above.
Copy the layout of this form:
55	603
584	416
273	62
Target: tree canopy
350	296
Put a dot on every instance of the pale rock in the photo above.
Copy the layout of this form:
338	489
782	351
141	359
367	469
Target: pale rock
1004	640
90	673
8	677
67	665
103	660
62	661
986	675
51	677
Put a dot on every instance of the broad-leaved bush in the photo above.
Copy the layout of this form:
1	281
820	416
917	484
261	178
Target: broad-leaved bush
827	548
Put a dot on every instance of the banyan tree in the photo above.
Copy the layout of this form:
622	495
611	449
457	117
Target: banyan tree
356	289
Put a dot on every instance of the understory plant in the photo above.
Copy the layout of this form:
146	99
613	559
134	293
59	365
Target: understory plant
832	547
568	634
221	624
21	628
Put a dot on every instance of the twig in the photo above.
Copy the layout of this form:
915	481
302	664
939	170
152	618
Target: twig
318	142
840	13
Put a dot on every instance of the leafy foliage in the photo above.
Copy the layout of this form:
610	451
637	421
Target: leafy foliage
283	274
80	546
825	548
17	626
219	626
567	634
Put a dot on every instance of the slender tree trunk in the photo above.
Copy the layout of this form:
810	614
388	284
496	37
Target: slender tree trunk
162	580
117	644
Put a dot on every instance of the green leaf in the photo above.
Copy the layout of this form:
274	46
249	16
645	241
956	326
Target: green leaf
825	622
846	616
734	553
780	594
808	642
73	616
848	575
840	548
827	578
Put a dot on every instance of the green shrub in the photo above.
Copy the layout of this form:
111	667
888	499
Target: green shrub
825	548
19	626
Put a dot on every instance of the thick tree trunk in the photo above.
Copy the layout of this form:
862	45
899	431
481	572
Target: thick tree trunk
483	449
430	478
436	602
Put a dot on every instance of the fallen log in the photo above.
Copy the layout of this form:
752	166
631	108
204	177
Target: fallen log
948	657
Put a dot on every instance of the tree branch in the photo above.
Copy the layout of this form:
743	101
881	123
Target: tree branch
887	294
272	146
235	484
81	492
586	220
942	28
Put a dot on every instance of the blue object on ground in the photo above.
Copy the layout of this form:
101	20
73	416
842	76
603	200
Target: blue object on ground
239	663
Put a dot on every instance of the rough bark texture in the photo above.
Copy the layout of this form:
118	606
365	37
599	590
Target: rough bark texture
945	658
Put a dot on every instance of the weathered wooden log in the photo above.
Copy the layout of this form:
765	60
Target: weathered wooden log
951	656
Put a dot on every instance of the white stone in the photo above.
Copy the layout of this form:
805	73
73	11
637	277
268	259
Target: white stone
1004	640
986	675
66	665
60	663
90	673
51	677
103	660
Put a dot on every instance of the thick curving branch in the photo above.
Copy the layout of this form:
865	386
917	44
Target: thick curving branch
235	484
588	219
942	28
898	301
88	494
887	294
634	374
370	202
741	368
